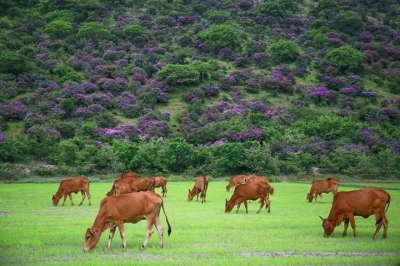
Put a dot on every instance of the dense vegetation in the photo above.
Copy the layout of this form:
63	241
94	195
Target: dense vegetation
187	87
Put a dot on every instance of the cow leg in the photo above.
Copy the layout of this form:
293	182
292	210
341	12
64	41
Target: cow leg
111	236
121	229
268	204
245	205
70	197
83	197
346	225
320	195
238	206
160	230
89	197
150	231
262	203
384	222
353	223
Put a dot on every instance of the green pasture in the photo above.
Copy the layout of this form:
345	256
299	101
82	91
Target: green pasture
35	233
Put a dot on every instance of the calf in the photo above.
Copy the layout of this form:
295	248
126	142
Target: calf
235	180
128	185
200	187
73	185
129	175
128	208
363	202
249	191
161	181
322	186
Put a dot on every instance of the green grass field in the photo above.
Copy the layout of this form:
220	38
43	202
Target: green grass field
33	232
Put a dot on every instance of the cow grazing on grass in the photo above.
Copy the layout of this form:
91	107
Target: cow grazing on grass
128	185
363	202
128	208
129	175
235	180
249	191
161	181
322	186
200	187
73	185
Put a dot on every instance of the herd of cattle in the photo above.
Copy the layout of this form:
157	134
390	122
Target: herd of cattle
117	208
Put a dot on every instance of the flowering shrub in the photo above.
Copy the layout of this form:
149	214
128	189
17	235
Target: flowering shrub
251	134
321	95
12	110
210	90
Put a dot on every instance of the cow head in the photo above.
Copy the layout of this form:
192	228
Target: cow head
91	239
228	188
328	225
55	199
190	195
309	197
228	206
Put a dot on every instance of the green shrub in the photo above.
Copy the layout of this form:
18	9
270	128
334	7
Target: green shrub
133	31
346	57
59	28
284	51
178	74
220	36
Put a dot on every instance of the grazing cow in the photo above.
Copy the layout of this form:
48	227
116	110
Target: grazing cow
128	208
161	181
322	186
362	202
235	180
200	187
248	191
69	186
129	175
128	185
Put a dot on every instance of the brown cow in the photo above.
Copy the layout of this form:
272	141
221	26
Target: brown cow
248	191
73	185
235	180
128	185
200	187
129	208
129	175
161	181
362	202
322	186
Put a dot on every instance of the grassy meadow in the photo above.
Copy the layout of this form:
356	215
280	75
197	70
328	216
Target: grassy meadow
35	233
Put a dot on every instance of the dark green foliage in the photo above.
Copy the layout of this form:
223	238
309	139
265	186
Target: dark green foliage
67	129
348	22
13	62
284	51
220	36
93	31
133	31
346	57
178	74
278	8
59	28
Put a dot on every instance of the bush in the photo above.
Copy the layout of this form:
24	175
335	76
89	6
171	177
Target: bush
178	74
220	36
346	57
284	51
59	28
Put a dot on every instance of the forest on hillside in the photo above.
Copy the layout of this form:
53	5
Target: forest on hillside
191	87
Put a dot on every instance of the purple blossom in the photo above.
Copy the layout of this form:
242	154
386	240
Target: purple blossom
12	110
2	137
251	134
321	93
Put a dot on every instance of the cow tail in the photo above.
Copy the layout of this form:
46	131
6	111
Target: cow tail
387	207
166	218
205	186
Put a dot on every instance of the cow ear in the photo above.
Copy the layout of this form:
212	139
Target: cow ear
226	200
321	218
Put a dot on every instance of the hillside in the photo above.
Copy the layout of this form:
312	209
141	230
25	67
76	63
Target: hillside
189	87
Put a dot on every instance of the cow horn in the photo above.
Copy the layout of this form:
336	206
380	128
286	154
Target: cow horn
321	218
